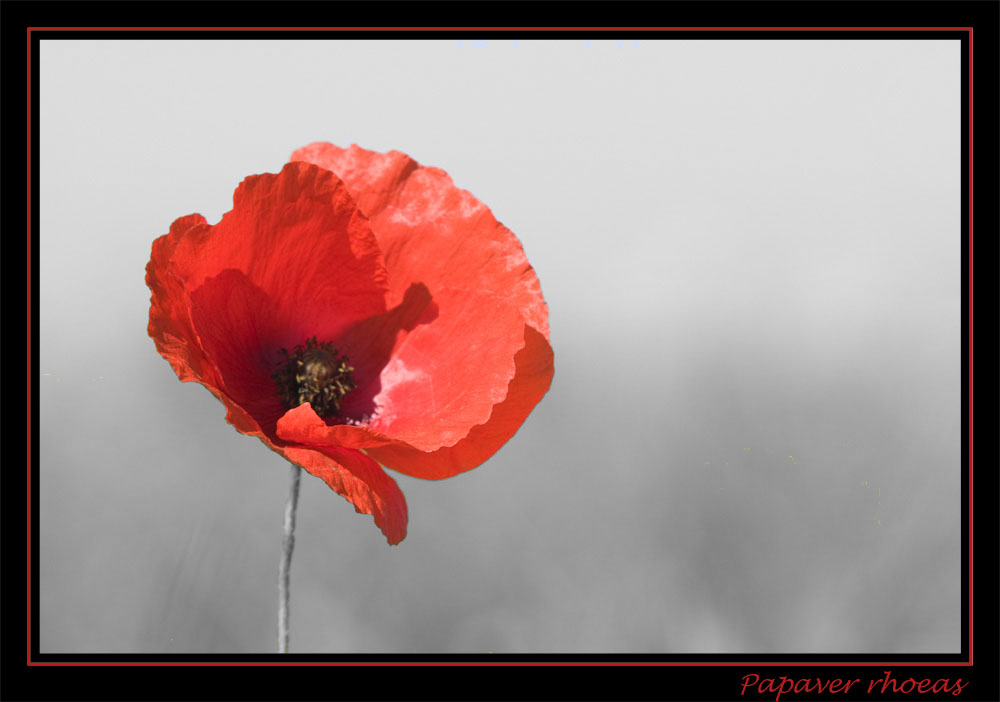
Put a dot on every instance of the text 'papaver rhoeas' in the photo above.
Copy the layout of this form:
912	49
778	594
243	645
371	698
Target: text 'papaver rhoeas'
353	310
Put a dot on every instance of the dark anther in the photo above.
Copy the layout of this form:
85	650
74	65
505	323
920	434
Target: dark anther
314	373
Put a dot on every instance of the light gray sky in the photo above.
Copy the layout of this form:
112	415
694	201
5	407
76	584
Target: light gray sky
751	255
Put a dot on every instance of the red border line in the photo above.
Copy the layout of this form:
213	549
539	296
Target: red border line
502	29
30	662
28	337
601	664
971	638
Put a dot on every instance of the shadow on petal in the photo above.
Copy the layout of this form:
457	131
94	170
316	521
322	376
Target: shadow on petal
238	327
370	343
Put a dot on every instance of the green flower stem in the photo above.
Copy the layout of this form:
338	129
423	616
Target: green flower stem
287	545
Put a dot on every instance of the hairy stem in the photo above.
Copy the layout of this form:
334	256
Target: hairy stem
287	545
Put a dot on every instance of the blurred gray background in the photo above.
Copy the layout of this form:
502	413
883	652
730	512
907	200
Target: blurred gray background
751	254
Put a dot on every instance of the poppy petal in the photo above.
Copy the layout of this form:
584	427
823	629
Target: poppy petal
169	307
431	231
445	376
322	268
531	382
301	425
172	327
220	310
237	324
358	478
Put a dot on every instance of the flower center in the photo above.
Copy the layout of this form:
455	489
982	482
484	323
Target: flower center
314	373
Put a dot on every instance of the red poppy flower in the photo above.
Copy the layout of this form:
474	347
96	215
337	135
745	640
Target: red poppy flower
356	309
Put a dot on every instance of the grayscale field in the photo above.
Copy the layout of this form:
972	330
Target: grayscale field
751	256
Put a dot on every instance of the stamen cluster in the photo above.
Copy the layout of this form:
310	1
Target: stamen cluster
316	374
